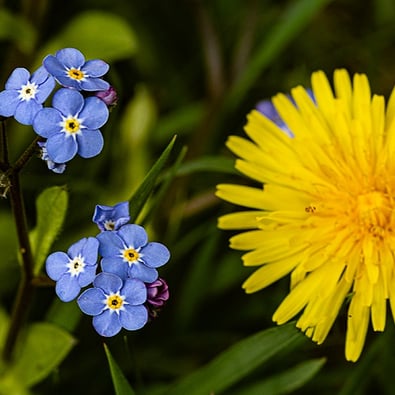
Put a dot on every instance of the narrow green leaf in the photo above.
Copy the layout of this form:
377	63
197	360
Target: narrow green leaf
164	187
199	270
39	353
143	192
285	382
238	361
51	207
121	385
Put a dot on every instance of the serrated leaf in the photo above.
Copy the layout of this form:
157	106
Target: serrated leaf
95	33
121	385
38	353
239	360
142	193
286	382
51	207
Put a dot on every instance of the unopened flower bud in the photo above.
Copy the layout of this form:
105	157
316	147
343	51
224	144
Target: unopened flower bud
109	96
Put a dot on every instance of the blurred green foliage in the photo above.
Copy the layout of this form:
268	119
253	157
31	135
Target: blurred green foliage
194	69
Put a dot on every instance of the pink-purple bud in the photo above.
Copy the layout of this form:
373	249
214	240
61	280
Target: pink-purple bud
109	96
157	295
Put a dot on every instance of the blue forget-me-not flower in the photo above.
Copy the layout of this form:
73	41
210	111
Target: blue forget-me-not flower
127	253
71	70
58	168
73	270
24	94
111	217
72	125
115	304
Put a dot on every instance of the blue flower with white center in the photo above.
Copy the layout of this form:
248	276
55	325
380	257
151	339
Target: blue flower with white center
71	70
73	270
24	94
127	253
111	217
71	125
115	304
58	168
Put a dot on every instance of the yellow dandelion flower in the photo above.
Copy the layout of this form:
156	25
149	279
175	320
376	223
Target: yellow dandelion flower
326	211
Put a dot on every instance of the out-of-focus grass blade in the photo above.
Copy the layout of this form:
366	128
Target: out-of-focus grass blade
167	179
294	19
215	164
143	192
121	385
285	382
238	361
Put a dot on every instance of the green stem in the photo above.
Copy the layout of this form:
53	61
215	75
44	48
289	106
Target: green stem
4	164
26	155
26	288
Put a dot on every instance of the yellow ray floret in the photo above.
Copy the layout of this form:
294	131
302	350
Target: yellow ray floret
325	210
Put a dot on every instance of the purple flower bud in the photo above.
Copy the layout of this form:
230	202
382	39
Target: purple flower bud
109	96
157	295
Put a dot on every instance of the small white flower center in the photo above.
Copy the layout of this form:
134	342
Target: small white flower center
115	302
76	74
109	224
131	255
28	91
71	125
76	265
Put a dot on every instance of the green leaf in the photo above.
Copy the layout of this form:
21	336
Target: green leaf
51	206
21	32
135	142
64	315
140	197
96	33
121	385
238	361
38	354
285	382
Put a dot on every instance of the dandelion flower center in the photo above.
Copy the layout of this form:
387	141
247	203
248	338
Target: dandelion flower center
374	213
326	212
